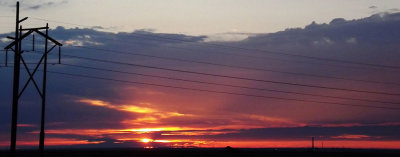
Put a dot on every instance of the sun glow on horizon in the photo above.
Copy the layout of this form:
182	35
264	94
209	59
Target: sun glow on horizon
146	140
154	127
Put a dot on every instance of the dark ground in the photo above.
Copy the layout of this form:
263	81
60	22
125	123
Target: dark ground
194	152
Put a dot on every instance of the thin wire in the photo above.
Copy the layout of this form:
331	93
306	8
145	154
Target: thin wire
221	92
219	84
278	53
41	19
255	57
233	77
256	50
274	58
233	66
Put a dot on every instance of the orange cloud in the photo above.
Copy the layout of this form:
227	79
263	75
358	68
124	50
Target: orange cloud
84	132
146	115
198	133
53	142
348	136
167	142
359	124
130	108
305	144
101	132
26	125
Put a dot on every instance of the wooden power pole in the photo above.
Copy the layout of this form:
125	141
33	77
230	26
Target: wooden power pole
18	58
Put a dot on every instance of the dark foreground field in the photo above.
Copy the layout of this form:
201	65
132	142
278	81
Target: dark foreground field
207	153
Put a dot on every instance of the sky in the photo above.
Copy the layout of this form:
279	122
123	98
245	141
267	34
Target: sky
209	74
196	17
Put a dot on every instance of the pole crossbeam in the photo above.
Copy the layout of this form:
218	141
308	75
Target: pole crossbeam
18	40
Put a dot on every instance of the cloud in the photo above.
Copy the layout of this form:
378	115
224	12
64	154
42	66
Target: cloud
346	136
228	37
98	110
73	43
81	40
394	10
351	40
54	142
338	30
130	108
166	136
26	125
44	4
34	4
304	133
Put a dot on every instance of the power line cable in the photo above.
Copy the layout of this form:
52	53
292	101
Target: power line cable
252	56
220	84
258	50
280	53
55	21
258	57
233	77
222	92
234	66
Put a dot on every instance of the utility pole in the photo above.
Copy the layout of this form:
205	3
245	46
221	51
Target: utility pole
18	58
312	141
41	143
15	86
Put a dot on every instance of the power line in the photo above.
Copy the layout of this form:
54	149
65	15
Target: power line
253	57
234	66
221	92
257	50
256	57
233	77
226	85
42	19
220	84
278	53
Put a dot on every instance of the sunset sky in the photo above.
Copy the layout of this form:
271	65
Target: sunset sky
209	73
